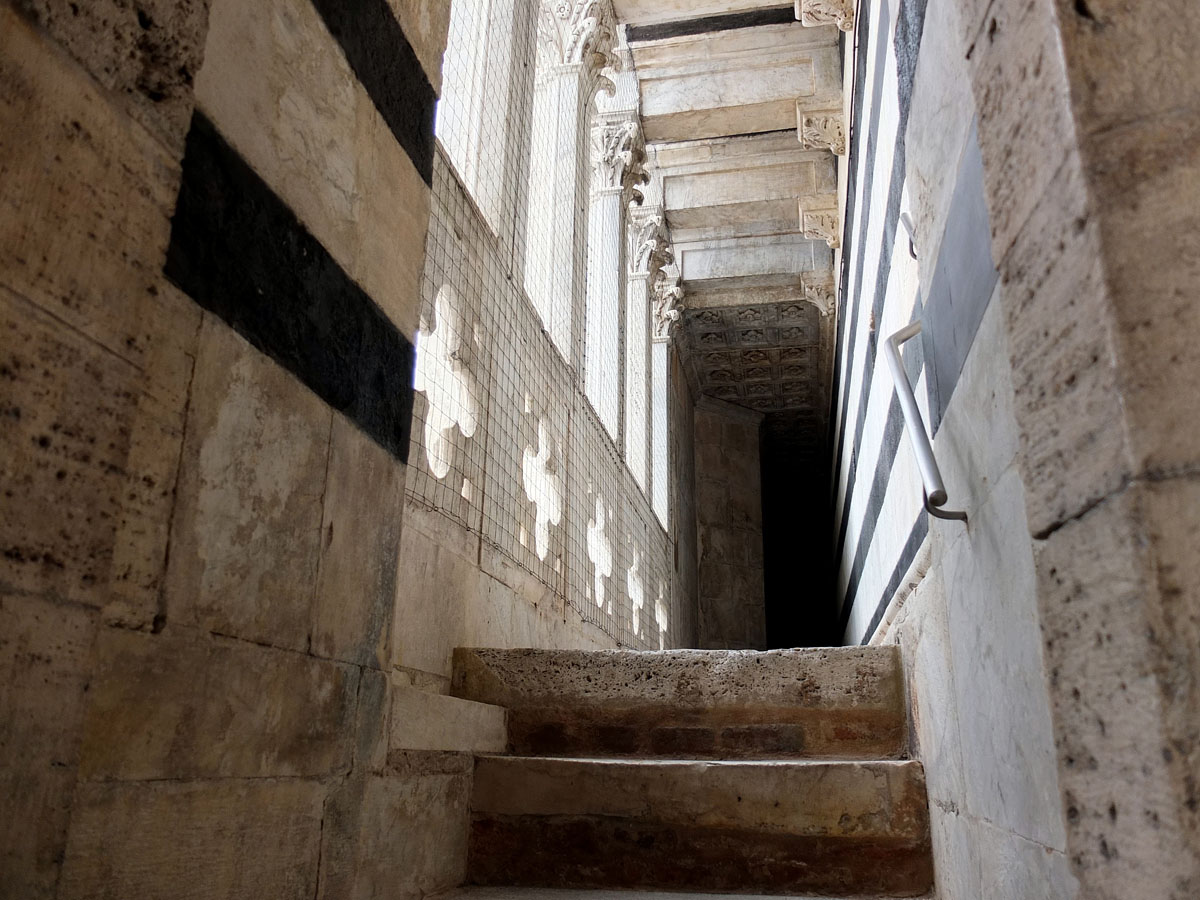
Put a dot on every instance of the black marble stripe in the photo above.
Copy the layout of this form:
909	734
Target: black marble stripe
909	29
240	252
388	68
775	16
893	434
849	328
916	536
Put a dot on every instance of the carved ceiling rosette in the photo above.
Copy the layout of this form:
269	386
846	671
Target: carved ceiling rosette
826	12
581	32
620	158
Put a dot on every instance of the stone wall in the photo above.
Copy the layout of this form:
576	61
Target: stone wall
205	469
1093	177
961	600
732	614
1051	642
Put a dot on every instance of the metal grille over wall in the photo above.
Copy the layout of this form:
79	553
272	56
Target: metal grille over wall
507	442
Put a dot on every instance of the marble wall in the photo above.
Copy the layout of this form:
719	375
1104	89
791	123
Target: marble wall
960	599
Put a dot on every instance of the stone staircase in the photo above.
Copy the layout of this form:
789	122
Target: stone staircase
730	772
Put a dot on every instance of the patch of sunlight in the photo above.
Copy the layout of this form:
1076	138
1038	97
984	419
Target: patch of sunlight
441	374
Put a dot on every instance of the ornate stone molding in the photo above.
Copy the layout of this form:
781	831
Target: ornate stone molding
821	225
819	291
619	156
665	297
581	32
826	12
821	131
651	247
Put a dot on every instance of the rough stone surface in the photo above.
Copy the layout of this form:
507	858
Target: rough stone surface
360	546
247	527
860	800
647	855
400	836
45	650
149	54
194	840
1120	579
78	438
189	706
845	702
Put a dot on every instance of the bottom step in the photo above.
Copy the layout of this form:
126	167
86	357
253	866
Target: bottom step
836	828
525	893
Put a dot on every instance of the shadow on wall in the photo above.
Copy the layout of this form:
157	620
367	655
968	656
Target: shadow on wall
797	544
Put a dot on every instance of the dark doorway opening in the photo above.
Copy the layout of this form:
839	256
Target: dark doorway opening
797	532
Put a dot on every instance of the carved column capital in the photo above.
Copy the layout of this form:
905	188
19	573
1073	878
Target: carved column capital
666	294
619	157
582	33
822	225
819	291
826	12
651	247
821	131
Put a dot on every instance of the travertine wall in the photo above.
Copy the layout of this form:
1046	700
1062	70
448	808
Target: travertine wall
1093	177
960	600
731	609
1051	644
203	494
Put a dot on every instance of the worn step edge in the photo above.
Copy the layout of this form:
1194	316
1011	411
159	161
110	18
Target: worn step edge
828	799
862	678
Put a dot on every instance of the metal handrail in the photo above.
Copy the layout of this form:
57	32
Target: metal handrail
931	475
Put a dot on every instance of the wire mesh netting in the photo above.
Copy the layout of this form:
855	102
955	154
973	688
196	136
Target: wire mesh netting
505	442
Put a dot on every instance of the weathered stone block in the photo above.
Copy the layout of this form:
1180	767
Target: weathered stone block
397	835
1067	396
1107	581
247	527
184	705
421	720
1024	110
1146	178
360	546
147	53
846	702
683	825
45	651
198	840
78	441
1120	55
84	215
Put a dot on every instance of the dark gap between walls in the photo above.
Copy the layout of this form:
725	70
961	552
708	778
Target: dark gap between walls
241	253
801	603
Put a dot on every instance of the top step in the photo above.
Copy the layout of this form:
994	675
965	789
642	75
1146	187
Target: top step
842	702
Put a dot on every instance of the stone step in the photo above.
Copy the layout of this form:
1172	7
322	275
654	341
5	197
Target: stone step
837	703
779	827
535	893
